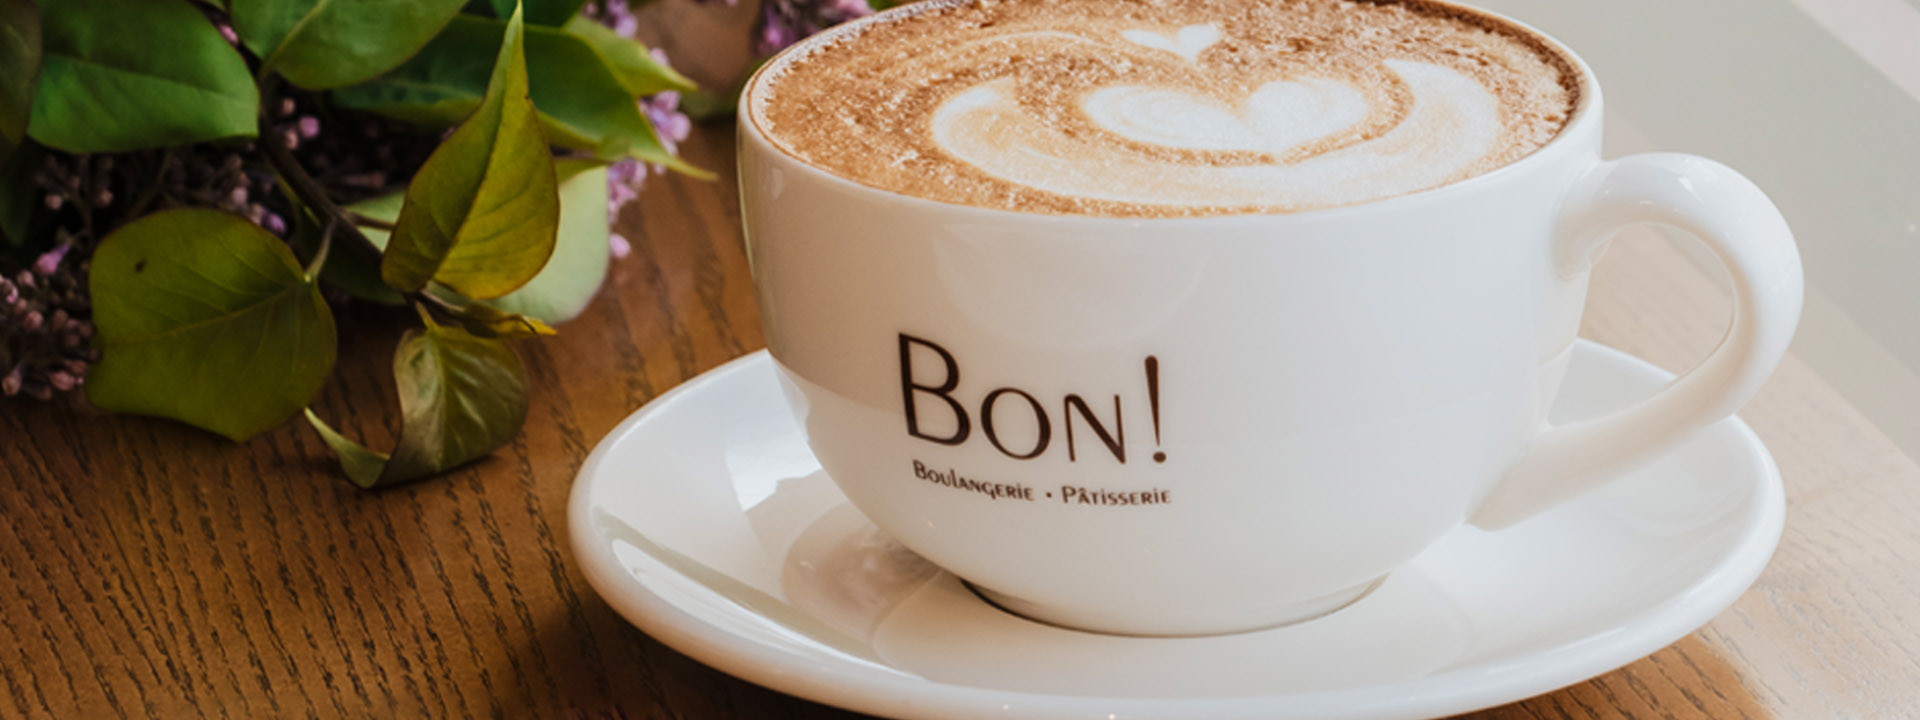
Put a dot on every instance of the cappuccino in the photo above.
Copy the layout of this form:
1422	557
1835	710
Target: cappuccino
1157	108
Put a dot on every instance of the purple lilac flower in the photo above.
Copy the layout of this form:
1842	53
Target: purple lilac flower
781	23
615	14
44	338
776	30
663	111
624	179
49	263
785	22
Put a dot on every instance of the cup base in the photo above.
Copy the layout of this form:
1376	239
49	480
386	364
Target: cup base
1269	618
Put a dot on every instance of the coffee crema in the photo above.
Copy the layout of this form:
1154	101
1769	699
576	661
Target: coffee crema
1158	108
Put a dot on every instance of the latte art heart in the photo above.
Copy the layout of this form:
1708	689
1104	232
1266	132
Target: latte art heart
1188	43
1172	107
1279	116
1453	123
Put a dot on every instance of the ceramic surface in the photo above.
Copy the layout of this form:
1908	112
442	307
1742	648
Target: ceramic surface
1173	426
706	521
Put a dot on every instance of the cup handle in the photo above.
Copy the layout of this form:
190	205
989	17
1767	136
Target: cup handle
1725	210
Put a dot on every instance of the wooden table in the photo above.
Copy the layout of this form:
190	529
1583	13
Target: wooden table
156	571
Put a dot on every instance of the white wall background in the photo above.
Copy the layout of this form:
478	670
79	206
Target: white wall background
1819	102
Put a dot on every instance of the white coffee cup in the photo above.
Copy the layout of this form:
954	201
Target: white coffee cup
1204	425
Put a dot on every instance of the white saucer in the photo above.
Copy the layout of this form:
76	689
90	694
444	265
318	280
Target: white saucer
706	522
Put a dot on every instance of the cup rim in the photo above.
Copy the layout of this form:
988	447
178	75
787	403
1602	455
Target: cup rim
1586	113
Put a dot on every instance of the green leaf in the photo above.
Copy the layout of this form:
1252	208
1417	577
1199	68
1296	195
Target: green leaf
708	104
322	44
581	104
362	466
705	106
207	319
481	214
579	263
19	196
19	70
461	397
118	76
541	12
630	62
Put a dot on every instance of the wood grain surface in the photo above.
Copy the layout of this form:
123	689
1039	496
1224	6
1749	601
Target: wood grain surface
155	571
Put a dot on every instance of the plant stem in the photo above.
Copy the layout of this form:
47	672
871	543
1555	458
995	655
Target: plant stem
309	191
375	223
319	260
154	187
434	301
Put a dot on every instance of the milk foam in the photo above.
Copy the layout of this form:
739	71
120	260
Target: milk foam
1454	122
1084	106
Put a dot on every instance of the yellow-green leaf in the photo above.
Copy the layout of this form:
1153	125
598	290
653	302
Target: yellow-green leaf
579	263
481	215
461	397
563	288
363	466
486	320
206	319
